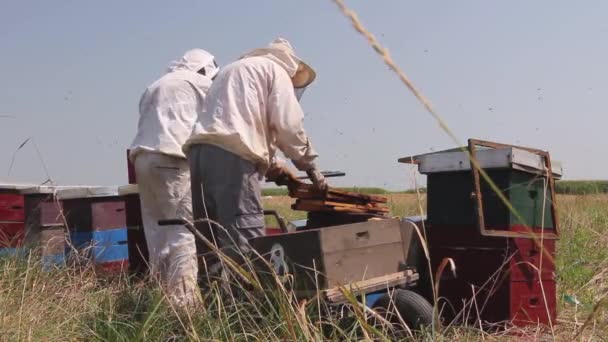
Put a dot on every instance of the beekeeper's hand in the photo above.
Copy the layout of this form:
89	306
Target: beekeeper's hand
281	175
318	180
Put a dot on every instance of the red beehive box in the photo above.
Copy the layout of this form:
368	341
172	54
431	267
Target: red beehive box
496	278
505	271
12	215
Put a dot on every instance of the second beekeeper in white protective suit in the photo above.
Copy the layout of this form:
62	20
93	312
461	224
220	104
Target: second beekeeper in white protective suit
252	110
168	109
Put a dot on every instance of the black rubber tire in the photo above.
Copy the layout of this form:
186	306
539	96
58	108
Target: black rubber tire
416	311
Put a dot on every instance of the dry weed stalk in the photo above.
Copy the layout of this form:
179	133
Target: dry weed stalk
388	60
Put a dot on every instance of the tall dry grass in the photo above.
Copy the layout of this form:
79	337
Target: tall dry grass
582	261
77	303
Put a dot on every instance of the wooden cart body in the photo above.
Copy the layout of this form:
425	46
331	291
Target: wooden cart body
361	257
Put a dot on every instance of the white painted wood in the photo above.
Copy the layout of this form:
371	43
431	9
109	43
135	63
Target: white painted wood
46	189
499	158
15	186
66	190
128	190
87	192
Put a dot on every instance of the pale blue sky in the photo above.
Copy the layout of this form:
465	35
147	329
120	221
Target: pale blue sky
525	72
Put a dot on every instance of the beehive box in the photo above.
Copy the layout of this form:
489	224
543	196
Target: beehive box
516	172
45	229
97	224
329	257
12	217
42	211
499	262
102	246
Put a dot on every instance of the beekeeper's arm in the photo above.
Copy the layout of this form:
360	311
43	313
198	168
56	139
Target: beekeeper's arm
286	119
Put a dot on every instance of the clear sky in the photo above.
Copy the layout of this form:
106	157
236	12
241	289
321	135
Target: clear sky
524	72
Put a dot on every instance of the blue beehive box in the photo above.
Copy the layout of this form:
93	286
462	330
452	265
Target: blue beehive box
102	246
97	224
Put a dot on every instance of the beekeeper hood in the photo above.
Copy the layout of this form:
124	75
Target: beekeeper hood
170	105
196	60
281	52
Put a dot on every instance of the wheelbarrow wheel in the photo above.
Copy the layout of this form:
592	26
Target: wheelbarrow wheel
403	306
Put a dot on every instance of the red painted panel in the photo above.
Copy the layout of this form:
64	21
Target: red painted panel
12	207
529	259
113	266
461	236
108	215
479	290
528	302
272	231
11	234
471	263
506	264
463	301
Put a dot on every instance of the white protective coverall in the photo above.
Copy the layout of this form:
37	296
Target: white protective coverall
167	110
253	110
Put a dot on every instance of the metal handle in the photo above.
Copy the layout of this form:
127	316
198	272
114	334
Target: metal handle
172	222
280	220
327	174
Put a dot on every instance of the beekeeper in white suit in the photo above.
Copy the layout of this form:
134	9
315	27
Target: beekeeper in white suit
252	110
168	109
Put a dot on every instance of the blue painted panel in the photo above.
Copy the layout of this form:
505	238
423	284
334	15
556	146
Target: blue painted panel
299	224
81	239
99	238
110	253
12	252
371	298
111	236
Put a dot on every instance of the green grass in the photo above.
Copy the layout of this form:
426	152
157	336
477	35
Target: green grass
566	187
363	190
274	191
75	303
581	187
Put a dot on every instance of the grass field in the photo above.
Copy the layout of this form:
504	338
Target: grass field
76	304
581	187
564	187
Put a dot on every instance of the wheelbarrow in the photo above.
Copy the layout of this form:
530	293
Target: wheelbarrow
368	261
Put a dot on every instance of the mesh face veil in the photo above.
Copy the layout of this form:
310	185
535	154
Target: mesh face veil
299	92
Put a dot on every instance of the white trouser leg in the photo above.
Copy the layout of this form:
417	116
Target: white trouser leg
164	189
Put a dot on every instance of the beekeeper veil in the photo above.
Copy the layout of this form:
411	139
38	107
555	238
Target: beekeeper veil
196	60
281	51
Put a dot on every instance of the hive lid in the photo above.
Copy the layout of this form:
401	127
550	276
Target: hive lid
87	192
46	189
128	189
454	160
15	186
